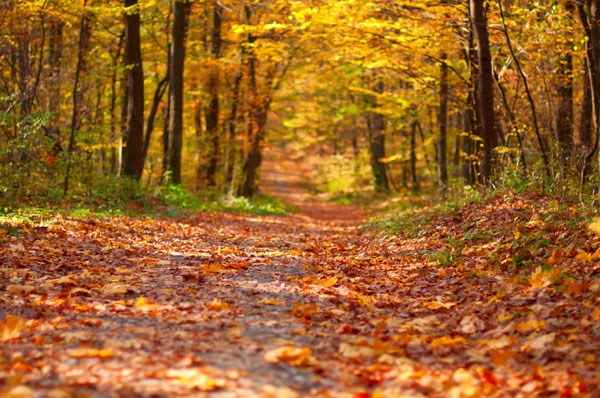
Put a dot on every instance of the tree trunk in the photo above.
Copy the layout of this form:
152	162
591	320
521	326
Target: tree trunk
212	113
443	127
486	88
134	130
77	96
590	19
413	158
54	60
564	111
232	149
377	143
180	14
585	122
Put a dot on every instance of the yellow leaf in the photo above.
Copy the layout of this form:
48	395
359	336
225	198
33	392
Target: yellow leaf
293	356
505	316
11	328
595	226
446	341
272	301
18	392
212	269
326	282
295	252
434	305
530	325
195	378
90	352
20	289
583	256
218	305
540	278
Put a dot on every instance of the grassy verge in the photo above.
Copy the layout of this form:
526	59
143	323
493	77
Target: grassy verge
536	239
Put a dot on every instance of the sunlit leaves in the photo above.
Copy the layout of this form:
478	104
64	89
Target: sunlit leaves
11	328
293	356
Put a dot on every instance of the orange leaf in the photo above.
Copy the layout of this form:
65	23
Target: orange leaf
90	352
305	310
499	357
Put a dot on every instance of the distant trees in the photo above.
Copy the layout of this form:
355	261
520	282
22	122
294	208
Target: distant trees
404	83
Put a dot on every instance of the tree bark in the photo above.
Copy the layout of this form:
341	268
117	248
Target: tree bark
134	131
376	124
564	110
443	127
486	88
180	14
212	113
413	158
585	122
590	19
75	115
54	72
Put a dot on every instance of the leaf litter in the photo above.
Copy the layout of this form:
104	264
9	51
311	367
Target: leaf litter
501	300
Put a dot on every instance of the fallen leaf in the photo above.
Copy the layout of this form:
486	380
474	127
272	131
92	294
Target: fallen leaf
90	352
218	305
195	378
540	342
213	269
446	341
271	301
352	351
530	325
20	289
293	356
499	357
115	289
326	282
12	327
434	305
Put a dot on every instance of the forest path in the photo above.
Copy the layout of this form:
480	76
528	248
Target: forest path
300	305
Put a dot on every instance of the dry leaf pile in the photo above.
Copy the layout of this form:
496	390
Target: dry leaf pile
500	300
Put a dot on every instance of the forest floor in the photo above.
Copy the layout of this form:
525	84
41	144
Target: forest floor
306	304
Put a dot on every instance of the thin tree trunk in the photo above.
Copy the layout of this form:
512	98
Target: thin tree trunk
585	122
212	114
486	88
161	88
527	91
564	111
413	158
54	65
443	127
232	150
75	122
377	143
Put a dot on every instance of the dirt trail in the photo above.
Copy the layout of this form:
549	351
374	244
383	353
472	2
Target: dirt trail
301	305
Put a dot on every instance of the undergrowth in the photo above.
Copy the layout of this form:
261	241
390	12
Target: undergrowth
110	195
